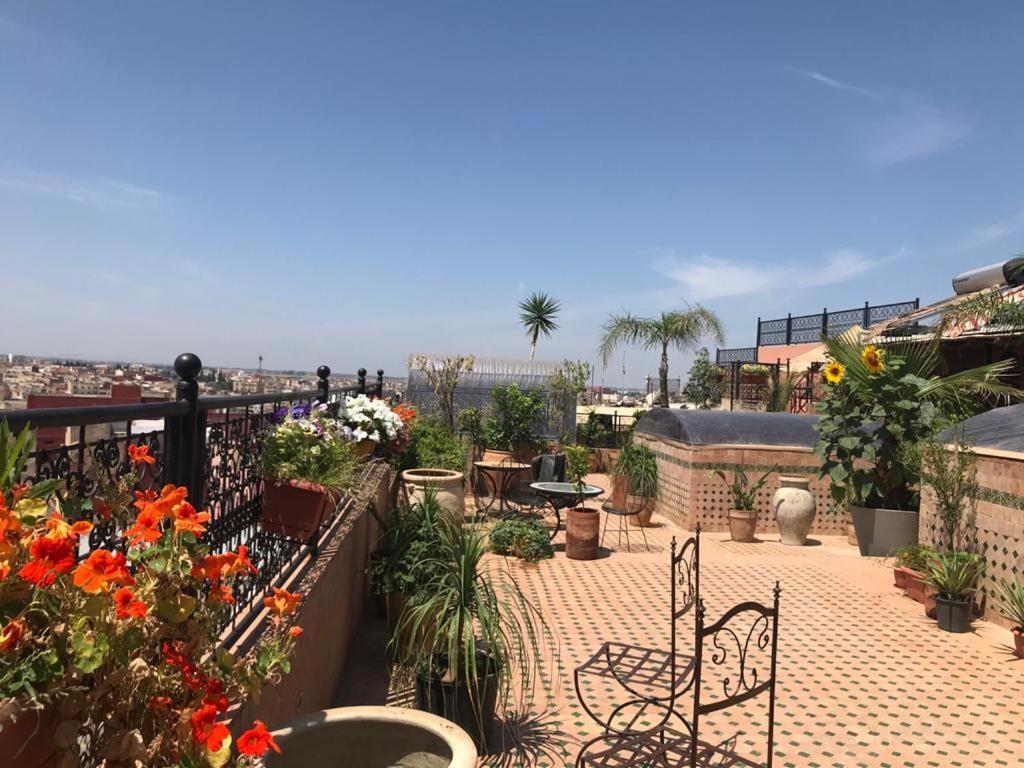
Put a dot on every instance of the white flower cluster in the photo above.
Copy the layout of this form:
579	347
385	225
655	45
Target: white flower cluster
370	419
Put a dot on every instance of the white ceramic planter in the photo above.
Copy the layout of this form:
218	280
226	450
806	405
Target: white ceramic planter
794	509
372	737
448	486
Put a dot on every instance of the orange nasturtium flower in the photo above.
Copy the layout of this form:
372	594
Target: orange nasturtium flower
146	529
170	498
127	606
295	632
102	570
11	634
50	558
216	567
188	520
282	602
206	730
143	498
58	528
257	740
139	454
221	593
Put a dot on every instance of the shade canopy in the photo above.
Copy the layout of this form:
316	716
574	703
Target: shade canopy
1000	428
729	427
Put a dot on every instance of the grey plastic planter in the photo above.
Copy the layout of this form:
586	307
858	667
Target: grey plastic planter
879	531
372	737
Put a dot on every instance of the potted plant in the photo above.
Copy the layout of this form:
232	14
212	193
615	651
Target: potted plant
909	568
509	429
582	524
592	433
472	633
435	458
115	650
879	403
471	427
525	539
638	464
755	373
1011	606
307	463
742	516
402	564
953	575
372	425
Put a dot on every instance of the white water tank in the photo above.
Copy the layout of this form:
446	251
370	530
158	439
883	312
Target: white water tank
1002	273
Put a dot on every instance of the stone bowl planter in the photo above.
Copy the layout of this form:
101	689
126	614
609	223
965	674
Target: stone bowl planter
448	485
794	509
372	737
742	524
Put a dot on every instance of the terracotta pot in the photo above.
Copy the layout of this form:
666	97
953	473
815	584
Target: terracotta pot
642	507
496	456
742	524
582	529
27	736
619	487
794	509
447	485
899	577
1018	641
523	452
915	585
929	601
293	508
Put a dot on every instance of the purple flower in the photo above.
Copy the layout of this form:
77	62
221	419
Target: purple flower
347	434
279	415
300	411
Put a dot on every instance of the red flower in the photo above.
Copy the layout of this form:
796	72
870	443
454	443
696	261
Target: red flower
102	570
139	454
282	602
11	634
126	606
160	703
215	695
295	632
206	730
257	740
50	558
143	498
20	491
188	520
146	529
221	593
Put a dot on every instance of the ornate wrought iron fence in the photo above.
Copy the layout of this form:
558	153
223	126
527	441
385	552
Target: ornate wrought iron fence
808	329
208	443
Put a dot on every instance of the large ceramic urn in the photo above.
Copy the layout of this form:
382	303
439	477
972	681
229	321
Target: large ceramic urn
794	509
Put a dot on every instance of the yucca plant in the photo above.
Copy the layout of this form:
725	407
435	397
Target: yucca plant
639	465
472	634
1011	603
744	494
954	575
780	392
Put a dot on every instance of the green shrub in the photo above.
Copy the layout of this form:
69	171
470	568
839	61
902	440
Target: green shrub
639	465
525	538
409	547
913	556
514	414
433	446
577	463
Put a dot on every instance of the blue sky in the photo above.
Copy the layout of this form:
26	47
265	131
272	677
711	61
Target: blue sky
350	183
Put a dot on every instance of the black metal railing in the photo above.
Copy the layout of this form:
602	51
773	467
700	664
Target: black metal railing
210	443
808	329
735	355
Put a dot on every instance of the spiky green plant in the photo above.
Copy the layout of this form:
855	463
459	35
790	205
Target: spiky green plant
682	329
954	574
781	389
14	455
744	493
1011	602
537	313
469	622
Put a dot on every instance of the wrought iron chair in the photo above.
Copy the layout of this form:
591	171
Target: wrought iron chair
652	678
740	675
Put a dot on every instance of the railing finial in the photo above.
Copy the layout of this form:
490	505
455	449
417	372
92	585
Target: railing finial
188	365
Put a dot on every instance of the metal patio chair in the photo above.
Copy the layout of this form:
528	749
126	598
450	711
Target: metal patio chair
651	678
742	642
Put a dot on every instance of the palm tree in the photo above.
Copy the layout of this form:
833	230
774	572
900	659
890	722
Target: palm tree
681	329
537	313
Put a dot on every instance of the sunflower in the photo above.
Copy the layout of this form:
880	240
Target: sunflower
834	372
872	358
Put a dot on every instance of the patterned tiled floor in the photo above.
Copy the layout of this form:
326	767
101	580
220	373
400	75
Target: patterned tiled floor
865	679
